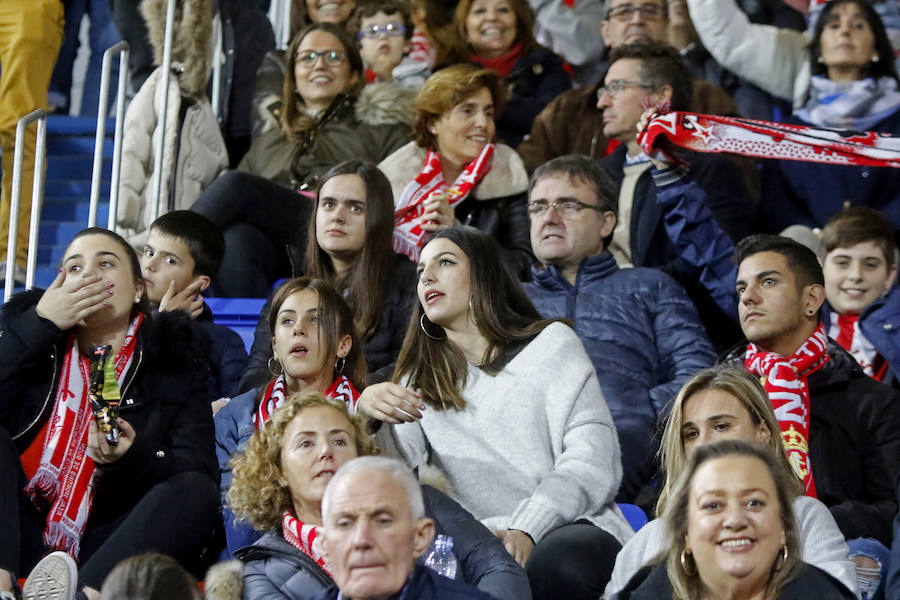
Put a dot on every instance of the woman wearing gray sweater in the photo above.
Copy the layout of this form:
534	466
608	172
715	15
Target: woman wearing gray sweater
726	403
509	407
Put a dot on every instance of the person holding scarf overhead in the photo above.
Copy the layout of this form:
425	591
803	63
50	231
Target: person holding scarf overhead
315	347
146	481
454	173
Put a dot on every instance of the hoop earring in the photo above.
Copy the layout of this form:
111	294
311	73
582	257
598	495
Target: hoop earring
425	331
784	556
876	58
684	564
472	310
342	361
820	60
272	369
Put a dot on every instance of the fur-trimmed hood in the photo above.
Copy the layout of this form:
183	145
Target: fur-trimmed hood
507	176
385	103
191	43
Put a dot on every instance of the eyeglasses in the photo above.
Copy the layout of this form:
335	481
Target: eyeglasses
651	12
308	59
615	87
373	31
564	208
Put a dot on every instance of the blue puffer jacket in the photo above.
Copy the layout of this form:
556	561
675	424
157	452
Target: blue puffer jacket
644	337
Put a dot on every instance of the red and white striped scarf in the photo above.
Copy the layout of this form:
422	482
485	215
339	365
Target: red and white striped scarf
784	378
408	232
304	538
341	389
844	329
762	139
64	479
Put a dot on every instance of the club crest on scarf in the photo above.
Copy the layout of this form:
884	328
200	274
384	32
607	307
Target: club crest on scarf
785	381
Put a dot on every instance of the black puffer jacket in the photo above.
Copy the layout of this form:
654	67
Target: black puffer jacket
381	349
165	398
651	583
854	444
275	569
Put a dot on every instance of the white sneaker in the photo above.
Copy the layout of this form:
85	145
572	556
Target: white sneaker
54	578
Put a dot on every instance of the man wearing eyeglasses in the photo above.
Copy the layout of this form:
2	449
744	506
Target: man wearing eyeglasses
571	123
653	74
639	327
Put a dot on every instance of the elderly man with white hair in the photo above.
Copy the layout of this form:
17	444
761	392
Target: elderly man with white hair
375	528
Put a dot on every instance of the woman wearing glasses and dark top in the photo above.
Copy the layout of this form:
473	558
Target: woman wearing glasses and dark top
454	172
258	207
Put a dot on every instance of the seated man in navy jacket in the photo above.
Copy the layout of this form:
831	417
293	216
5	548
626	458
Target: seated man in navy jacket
375	528
639	327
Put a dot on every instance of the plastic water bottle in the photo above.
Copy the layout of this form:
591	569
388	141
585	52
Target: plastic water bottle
441	557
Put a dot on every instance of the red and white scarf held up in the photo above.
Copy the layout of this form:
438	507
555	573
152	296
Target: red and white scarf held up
341	389
408	232
64	479
785	380
762	139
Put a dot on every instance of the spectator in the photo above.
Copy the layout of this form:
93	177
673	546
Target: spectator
639	328
384	30
860	268
453	172
315	347
543	471
149	576
267	89
850	422
653	73
853	86
102	35
368	489
30	35
571	123
182	255
278	486
717	404
349	245
152	490
257	207
194	153
498	35
730	492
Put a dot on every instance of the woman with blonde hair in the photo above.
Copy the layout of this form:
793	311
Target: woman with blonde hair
733	533
716	404
279	482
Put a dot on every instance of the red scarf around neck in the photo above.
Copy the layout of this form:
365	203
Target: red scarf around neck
784	378
304	538
64	480
503	65
341	389
408	232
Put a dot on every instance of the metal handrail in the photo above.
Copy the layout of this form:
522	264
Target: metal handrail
37	193
164	108
218	57
122	50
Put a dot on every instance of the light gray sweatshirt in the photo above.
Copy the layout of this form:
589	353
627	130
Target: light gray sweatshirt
823	546
534	448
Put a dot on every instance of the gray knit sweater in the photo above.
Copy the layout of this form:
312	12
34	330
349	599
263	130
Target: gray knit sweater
534	448
823	546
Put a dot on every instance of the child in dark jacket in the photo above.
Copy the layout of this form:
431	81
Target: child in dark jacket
183	253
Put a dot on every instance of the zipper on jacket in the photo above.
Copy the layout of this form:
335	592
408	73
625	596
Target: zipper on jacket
50	393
